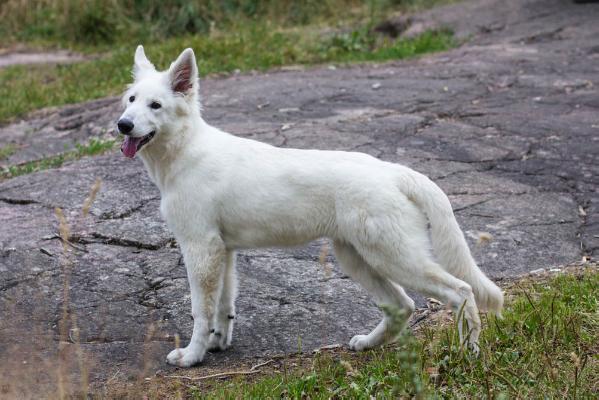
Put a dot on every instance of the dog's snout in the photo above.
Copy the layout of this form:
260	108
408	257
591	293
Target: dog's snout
125	126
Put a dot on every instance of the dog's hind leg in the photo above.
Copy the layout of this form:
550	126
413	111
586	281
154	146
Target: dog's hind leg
433	280
384	291
394	241
416	270
224	317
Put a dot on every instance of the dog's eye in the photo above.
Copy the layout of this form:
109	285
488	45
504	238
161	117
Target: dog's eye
131	99
155	105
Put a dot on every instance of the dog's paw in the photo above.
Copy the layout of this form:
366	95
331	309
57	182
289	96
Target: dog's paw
359	343
185	357
474	348
218	341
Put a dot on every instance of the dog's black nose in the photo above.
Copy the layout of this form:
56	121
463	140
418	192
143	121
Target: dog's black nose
125	126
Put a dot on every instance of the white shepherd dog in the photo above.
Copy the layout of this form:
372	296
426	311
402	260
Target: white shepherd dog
221	193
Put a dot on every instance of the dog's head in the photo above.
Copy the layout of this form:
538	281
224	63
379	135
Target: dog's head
157	102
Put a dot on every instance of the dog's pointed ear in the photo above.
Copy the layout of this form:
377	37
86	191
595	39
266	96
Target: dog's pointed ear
183	73
141	62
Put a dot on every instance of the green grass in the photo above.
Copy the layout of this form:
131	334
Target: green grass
119	21
545	347
93	147
7	151
226	35
101	22
257	47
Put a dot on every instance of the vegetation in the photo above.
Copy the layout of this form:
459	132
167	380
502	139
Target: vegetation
25	88
6	151
93	147
101	22
545	347
226	35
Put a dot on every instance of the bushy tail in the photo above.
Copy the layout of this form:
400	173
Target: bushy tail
449	244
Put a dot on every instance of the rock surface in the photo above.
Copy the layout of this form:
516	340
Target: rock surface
507	125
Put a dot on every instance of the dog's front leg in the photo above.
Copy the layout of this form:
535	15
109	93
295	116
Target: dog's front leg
222	332
204	261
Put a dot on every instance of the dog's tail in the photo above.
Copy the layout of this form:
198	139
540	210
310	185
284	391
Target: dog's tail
449	244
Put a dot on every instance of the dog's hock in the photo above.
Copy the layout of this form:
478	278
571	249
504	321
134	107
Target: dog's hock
184	73
141	62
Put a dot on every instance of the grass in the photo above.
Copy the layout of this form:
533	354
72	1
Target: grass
26	88
93	147
235	35
7	151
546	346
101	22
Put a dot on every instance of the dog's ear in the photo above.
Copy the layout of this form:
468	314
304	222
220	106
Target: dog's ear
183	73
141	63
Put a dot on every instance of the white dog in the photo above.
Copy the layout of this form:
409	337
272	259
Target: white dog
221	193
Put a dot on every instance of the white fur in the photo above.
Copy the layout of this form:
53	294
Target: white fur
221	193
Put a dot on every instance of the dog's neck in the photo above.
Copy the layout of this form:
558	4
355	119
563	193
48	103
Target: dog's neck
160	156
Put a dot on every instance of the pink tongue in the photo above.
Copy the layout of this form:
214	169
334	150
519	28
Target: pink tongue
129	146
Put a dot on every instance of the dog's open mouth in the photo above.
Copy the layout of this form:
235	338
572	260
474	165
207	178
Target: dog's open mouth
132	145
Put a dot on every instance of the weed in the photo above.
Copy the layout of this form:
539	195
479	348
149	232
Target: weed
68	329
